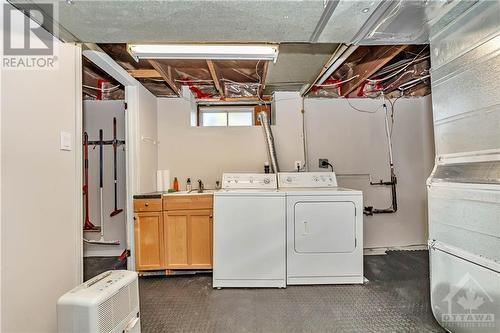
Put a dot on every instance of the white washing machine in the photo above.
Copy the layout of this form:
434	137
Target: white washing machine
249	232
324	229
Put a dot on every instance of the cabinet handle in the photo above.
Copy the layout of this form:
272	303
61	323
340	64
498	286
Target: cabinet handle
146	204
211	216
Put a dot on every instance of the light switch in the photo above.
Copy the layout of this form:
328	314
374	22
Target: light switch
66	141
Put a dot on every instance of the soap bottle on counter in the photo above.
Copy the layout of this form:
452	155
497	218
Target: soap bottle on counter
266	167
189	187
176	184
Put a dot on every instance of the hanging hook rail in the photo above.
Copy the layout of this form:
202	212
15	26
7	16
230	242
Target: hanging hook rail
107	142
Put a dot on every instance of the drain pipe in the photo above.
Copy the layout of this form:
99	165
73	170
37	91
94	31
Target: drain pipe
304	137
369	210
268	136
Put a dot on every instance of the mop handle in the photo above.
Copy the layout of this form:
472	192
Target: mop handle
101	160
86	174
101	157
115	144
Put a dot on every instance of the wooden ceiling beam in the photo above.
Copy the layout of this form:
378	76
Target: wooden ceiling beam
215	77
144	73
165	75
238	99
370	64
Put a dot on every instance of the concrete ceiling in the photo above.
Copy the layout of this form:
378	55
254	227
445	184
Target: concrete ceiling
190	21
279	21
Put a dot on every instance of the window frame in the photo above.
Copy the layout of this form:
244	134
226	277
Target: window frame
227	109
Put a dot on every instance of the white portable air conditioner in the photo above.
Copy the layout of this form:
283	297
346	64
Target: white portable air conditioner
108	303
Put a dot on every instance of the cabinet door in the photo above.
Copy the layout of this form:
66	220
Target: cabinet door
188	239
200	239
176	238
148	229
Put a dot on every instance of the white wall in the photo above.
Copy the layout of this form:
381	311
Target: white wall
204	152
97	115
147	151
355	142
40	237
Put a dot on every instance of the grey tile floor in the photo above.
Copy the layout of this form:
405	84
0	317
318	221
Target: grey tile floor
396	299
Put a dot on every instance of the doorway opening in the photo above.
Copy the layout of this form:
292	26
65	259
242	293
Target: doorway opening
104	172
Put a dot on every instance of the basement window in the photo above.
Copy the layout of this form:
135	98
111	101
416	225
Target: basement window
230	115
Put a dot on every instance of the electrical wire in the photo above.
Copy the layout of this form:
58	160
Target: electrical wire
105	90
390	85
399	71
412	83
152	79
193	81
336	83
400	64
305	167
242	83
392	112
361	110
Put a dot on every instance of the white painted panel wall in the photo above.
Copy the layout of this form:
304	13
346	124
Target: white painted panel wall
355	142
204	152
147	151
97	115
40	240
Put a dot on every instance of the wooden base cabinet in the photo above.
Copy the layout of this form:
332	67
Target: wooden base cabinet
149	241
188	238
173	232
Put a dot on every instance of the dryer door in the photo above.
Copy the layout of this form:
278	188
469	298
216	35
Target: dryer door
325	227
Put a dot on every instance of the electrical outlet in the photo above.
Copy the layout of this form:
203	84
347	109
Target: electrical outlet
298	165
323	163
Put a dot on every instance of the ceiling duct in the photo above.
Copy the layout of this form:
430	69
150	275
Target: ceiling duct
339	57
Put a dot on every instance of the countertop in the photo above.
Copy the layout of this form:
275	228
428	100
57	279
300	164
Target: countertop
157	195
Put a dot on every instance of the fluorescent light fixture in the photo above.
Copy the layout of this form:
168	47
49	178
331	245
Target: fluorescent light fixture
204	51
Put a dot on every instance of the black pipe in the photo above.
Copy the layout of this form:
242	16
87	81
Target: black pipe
369	210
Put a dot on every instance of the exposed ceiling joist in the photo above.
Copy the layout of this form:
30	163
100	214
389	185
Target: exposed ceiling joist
144	73
215	77
165	75
237	99
371	64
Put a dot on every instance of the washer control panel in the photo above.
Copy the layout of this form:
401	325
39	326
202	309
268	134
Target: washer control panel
307	179
249	180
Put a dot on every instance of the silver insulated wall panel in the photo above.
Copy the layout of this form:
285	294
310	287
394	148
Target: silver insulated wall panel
464	188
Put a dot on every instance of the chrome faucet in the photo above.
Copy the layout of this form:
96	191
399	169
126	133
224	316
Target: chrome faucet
201	187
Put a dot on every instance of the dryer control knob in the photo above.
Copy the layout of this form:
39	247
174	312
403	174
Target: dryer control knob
267	180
